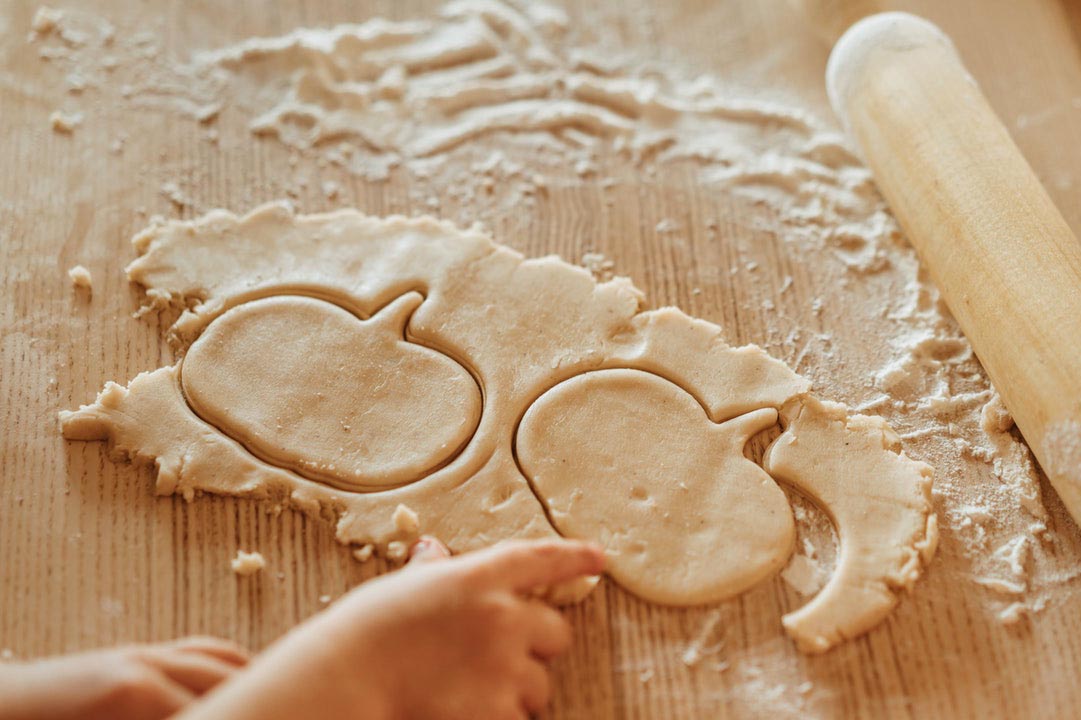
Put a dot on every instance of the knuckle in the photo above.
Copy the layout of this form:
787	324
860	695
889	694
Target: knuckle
555	629
500	611
561	632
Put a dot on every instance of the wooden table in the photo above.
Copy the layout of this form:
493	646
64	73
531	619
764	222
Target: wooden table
89	556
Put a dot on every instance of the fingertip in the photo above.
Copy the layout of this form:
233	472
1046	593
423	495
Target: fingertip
428	549
597	556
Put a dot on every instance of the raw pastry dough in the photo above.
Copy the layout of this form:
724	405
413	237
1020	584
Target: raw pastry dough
876	497
546	346
680	481
305	385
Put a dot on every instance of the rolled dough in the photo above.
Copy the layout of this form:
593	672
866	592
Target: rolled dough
307	386
597	407
679	479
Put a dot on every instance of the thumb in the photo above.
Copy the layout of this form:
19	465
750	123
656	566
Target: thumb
427	549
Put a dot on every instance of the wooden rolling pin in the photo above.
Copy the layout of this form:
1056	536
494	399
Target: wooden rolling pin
1001	254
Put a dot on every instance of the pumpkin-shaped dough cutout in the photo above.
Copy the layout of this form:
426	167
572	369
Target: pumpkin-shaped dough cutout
308	386
696	521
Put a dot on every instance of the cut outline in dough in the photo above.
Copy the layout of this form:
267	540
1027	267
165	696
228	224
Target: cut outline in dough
603	367
651	585
398	309
556	322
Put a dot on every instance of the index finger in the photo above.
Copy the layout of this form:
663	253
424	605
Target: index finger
525	565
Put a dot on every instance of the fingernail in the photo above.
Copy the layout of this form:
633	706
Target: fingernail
427	545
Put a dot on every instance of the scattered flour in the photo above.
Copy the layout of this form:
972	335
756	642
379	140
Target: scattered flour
804	574
172	192
495	105
700	645
331	189
45	20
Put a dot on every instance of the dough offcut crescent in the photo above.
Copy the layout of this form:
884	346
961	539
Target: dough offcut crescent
531	334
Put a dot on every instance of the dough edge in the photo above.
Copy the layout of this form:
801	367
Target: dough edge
115	417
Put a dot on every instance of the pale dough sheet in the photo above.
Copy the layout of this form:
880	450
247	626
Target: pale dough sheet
348	365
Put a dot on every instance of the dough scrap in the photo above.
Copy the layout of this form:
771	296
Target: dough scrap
406	521
538	336
879	500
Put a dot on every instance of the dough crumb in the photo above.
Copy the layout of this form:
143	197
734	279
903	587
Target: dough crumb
364	552
397	551
248	563
6	654
63	122
324	599
406	520
46	20
80	277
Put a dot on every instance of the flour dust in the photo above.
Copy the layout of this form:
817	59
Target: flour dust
489	106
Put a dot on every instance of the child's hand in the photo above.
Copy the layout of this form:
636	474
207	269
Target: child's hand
443	638
138	682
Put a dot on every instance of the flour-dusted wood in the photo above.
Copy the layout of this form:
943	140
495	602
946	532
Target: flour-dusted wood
88	555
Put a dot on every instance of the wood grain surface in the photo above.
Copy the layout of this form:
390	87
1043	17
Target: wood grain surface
89	556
